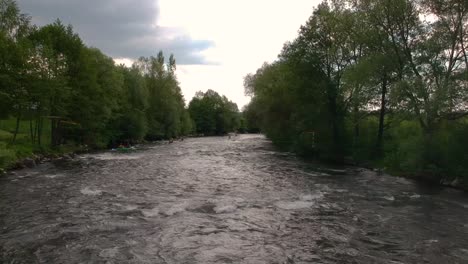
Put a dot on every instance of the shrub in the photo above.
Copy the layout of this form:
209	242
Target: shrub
7	156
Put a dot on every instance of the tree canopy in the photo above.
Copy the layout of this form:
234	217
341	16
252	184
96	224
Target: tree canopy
48	77
214	114
69	93
377	81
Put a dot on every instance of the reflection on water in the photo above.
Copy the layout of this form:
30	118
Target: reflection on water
214	200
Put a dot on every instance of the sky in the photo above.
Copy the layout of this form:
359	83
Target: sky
215	42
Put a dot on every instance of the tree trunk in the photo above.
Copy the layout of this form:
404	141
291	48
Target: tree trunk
36	126
356	126
379	143
17	128
53	131
31	130
338	147
337	144
39	131
58	133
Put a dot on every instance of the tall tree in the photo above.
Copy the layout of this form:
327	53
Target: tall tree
213	114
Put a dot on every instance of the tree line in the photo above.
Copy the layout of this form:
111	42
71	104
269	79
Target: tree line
77	95
214	114
375	81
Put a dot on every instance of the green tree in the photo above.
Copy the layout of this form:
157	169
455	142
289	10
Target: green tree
214	114
14	54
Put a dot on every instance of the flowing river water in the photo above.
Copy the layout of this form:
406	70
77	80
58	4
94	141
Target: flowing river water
214	200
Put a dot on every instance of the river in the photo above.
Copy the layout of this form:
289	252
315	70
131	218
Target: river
215	200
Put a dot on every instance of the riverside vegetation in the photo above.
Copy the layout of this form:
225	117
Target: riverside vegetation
374	82
378	82
58	95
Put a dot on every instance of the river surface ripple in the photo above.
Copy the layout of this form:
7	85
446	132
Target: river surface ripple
214	200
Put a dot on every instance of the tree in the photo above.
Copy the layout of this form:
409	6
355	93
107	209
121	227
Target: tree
166	106
251	118
14	53
369	68
326	43
57	52
213	114
47	75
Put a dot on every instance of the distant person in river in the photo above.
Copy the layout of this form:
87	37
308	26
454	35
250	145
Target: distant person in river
124	145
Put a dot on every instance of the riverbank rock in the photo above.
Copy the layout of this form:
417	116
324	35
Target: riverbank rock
455	183
2	172
68	156
52	156
30	163
37	158
19	165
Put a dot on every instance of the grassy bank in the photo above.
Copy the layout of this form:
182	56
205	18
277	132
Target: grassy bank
438	158
13	151
407	151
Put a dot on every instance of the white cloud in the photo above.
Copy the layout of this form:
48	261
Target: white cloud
216	42
120	28
125	61
245	33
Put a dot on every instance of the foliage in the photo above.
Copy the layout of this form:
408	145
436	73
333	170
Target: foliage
250	121
214	114
56	91
373	80
7	156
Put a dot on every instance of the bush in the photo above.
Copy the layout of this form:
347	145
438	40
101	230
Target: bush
448	150
405	149
362	147
7	156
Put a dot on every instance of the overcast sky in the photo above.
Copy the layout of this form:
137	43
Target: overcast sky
215	42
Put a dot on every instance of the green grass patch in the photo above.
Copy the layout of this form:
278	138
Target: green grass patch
22	148
5	135
7	156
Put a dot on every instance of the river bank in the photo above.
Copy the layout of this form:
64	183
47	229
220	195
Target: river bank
61	153
427	178
35	158
68	153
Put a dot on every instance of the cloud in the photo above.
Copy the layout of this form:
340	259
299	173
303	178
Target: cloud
120	28
247	34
